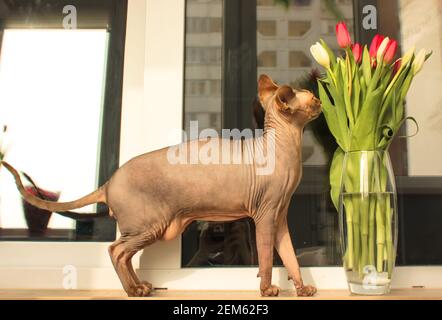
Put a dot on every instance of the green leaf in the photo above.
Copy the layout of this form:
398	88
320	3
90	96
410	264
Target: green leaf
415	122
339	74
336	176
330	114
398	79
376	77
386	78
366	127
341	116
405	86
356	96
428	55
347	78
366	66
363	88
387	108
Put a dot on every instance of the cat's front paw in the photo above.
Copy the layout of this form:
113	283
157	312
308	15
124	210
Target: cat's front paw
271	291
306	291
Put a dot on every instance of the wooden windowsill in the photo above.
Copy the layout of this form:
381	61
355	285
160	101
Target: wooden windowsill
400	294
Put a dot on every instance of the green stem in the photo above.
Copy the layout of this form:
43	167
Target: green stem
365	210
371	234
372	215
365	201
356	233
380	234
349	221
390	249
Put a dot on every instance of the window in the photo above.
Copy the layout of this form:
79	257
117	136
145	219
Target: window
298	28
267	28
298	59
61	107
203	25
312	217
203	64
203	55
328	26
267	59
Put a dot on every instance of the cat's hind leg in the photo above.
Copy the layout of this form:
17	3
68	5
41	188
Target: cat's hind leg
121	253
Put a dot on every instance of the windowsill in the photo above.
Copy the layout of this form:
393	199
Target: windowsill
398	294
23	235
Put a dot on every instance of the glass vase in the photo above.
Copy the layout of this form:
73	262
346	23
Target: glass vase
368	221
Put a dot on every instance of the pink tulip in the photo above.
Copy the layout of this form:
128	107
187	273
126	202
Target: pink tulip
343	35
357	52
375	44
390	52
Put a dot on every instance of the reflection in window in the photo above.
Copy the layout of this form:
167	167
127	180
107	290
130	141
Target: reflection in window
203	63
267	59
203	55
267	28
312	218
203	25
298	59
51	89
299	28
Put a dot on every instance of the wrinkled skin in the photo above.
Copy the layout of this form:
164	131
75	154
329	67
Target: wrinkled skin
153	199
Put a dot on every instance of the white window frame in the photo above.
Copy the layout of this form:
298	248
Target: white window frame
152	108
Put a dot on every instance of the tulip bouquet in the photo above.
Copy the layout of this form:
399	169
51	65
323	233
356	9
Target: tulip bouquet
363	96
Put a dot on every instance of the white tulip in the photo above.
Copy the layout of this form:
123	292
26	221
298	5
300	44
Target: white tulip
320	54
382	48
419	61
408	56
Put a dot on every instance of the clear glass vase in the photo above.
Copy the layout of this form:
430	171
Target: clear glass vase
368	221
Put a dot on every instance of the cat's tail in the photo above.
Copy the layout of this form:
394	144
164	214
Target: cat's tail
97	196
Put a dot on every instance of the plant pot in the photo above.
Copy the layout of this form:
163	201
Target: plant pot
368	221
38	219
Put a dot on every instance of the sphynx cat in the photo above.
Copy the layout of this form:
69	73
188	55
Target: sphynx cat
153	199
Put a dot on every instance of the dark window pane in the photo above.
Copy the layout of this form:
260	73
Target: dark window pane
280	44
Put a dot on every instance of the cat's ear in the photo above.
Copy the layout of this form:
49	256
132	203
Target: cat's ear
266	89
284	97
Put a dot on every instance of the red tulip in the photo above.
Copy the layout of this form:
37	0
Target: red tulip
375	44
357	52
396	67
390	51
343	35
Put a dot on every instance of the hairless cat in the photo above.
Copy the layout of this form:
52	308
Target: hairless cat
153	199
